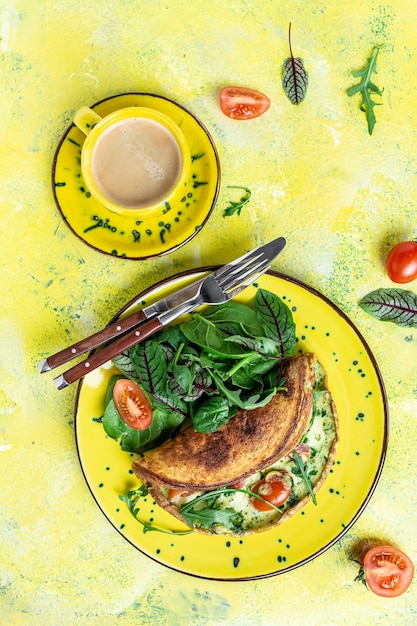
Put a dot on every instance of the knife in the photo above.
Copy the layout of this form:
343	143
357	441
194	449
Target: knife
118	328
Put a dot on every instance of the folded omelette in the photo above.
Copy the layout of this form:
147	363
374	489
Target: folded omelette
252	448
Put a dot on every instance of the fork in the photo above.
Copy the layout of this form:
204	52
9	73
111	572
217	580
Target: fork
218	287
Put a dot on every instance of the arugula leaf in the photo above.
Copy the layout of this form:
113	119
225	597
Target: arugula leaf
202	510
277	320
207	517
300	465
235	395
392	305
366	88
236	207
131	499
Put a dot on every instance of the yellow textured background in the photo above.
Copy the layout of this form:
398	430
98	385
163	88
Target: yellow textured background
340	197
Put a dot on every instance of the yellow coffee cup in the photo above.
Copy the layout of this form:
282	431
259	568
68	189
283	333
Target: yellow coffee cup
133	160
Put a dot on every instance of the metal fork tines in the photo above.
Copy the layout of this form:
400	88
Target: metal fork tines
220	286
235	274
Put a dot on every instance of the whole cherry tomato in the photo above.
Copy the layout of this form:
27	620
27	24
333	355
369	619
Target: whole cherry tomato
401	262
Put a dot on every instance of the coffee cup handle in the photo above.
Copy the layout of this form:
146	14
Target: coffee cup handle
85	119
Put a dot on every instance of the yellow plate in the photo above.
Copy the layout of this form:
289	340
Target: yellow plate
129	237
360	398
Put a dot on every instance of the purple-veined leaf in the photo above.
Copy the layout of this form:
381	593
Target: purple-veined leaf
150	366
294	77
392	305
278	321
125	364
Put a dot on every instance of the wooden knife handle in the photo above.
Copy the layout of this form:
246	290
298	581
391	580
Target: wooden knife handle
142	332
93	341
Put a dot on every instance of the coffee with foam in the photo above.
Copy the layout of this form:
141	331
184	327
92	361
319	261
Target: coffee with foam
136	162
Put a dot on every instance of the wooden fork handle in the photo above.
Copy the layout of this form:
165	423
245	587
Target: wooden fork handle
93	341
126	341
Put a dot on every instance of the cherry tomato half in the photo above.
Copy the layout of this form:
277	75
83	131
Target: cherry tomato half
132	404
274	488
401	264
388	571
242	103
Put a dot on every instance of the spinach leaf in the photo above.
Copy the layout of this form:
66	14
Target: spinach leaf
172	336
183	376
113	424
164	424
207	335
212	413
277	320
109	392
235	314
264	345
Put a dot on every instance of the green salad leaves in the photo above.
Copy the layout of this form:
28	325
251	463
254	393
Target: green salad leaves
223	359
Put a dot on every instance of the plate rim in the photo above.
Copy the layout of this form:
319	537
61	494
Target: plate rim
384	443
212	202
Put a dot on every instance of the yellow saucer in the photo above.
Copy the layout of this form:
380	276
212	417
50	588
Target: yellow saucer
359	395
130	237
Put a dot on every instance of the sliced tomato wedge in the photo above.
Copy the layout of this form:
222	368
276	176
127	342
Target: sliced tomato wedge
132	404
388	571
239	484
176	494
274	488
242	103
